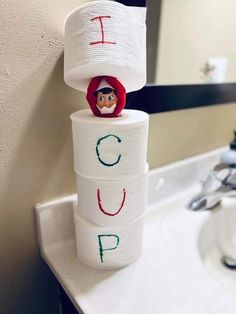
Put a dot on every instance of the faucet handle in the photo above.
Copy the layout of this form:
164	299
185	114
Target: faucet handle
226	174
231	180
211	183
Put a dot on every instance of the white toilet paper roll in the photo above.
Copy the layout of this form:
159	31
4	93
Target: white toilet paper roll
110	148
105	38
108	248
112	202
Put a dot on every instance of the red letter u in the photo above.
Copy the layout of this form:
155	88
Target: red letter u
103	210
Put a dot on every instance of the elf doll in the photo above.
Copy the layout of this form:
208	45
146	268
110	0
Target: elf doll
106	96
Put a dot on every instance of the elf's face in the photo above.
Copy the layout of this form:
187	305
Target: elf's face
106	103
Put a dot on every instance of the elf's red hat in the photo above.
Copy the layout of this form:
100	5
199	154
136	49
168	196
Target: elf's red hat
92	98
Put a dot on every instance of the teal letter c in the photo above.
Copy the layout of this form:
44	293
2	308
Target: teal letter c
98	154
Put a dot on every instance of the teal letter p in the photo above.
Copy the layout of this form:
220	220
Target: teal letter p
102	249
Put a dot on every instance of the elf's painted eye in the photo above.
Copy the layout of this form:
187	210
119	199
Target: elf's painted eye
110	97
101	98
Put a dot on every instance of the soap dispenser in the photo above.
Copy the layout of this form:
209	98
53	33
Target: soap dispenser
229	156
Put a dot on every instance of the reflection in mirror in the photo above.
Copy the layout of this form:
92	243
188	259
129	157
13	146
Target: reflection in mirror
191	41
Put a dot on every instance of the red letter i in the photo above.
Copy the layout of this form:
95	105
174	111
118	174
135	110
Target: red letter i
102	31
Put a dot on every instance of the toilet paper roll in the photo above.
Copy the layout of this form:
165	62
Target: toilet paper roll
110	148
111	202
108	248
105	38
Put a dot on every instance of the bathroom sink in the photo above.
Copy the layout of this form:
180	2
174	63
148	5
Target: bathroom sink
178	272
210	244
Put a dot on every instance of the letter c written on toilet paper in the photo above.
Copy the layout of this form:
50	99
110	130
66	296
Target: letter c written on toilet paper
107	239
98	153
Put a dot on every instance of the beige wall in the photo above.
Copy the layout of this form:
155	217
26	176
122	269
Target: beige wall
192	31
35	142
181	134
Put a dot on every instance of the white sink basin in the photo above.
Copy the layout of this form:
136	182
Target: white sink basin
171	277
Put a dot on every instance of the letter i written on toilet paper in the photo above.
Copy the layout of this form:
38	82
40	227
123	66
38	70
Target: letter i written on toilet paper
100	20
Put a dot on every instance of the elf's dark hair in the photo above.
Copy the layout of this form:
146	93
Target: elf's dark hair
105	90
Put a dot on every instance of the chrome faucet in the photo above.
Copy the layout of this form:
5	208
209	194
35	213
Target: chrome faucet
220	182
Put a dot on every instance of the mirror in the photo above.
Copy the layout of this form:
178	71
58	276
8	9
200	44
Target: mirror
190	75
191	41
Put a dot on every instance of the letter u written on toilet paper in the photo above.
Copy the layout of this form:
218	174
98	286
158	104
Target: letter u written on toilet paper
112	202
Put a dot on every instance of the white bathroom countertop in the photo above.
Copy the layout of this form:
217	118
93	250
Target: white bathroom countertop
169	278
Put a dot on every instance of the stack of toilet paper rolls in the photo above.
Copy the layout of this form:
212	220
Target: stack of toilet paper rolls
111	168
108	38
